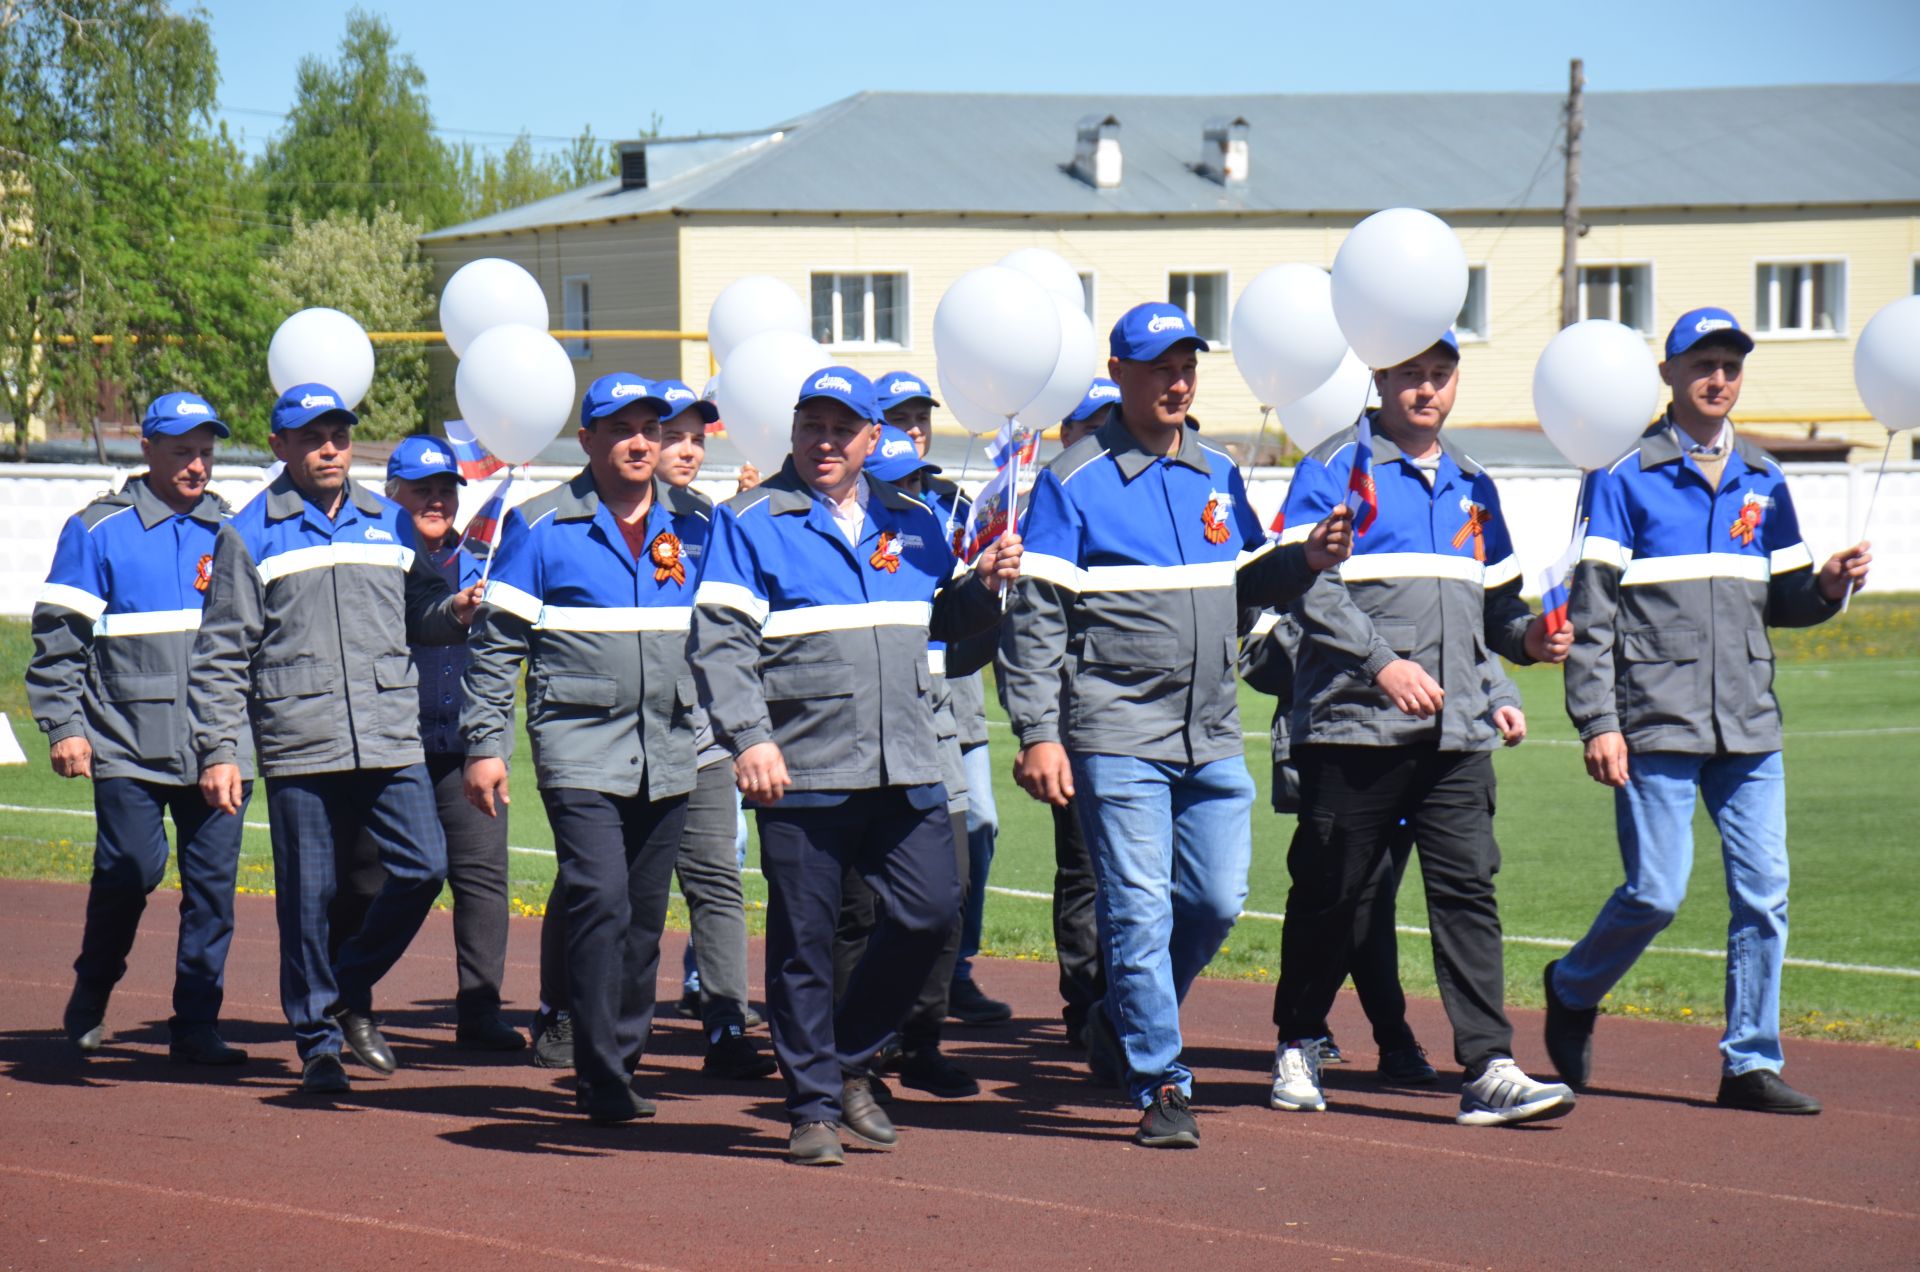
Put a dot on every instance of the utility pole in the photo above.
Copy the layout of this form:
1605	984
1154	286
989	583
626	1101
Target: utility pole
1570	227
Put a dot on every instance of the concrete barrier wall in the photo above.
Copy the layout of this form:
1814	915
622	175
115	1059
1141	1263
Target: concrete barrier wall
35	499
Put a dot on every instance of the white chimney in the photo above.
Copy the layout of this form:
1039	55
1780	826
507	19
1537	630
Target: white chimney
1096	151
1223	150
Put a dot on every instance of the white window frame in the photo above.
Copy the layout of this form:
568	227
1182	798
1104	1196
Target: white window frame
578	349
1482	335
1653	291
1223	341
902	272
1841	324
1090	284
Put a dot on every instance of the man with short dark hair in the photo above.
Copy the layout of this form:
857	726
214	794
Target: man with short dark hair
113	635
1671	686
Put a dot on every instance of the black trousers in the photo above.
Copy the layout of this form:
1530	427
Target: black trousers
906	855
1352	801
1076	941
616	857
476	873
860	913
1374	959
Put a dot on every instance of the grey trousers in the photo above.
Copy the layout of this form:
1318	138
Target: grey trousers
709	874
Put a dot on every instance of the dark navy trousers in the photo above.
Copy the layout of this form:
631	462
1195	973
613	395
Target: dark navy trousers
615	856
906	856
130	860
312	816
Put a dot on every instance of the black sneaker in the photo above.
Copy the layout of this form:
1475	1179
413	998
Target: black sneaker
1407	1066
1569	1033
553	1040
688	1008
613	1105
1168	1123
966	1002
735	1056
1763	1091
203	1045
927	1070
85	1018
487	1033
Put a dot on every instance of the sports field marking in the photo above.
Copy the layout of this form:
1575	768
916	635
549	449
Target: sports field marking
1268	916
1886	731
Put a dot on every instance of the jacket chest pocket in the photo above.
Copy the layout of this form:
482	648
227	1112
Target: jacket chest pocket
396	671
1118	668
565	694
811	723
1402	637
295	706
144	705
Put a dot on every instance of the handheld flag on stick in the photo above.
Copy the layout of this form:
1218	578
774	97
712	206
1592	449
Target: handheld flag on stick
474	460
991	514
485	526
954	532
1362	496
1555	583
1014	442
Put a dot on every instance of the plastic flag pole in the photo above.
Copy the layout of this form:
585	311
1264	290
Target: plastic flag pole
493	531
953	513
1020	434
1867	521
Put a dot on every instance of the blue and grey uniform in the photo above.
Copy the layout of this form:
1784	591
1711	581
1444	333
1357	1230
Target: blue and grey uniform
1678	583
1434	580
603	637
113	634
305	642
820	646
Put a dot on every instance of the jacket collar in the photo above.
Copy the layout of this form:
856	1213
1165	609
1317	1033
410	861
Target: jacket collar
1134	459
285	500
1660	444
787	494
153	510
579	499
1385	449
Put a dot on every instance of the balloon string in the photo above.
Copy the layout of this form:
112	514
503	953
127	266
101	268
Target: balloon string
1867	521
1252	458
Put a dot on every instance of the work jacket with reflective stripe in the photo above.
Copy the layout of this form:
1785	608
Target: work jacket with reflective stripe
1671	600
1432	579
113	633
801	639
306	635
604	639
1126	618
442	667
969	703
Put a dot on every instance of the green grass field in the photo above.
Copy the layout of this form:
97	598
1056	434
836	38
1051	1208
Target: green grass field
1852	697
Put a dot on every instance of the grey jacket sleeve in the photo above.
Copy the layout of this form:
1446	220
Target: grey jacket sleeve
1593	604
962	608
724	649
1794	600
1275	577
496	650
230	630
1507	620
1033	651
1338	629
971	653
430	619
1501	691
57	676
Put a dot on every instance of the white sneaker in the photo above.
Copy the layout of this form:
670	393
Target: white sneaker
1296	1079
1503	1095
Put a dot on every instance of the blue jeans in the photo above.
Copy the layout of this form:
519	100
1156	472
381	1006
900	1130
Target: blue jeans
1170	845
983	829
1746	796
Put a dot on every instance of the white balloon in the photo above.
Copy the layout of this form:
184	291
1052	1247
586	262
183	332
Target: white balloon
764	375
748	306
515	389
322	346
1399	280
1595	389
996	335
973	417
1051	271
1286	340
488	293
1332	406
1886	365
1072	374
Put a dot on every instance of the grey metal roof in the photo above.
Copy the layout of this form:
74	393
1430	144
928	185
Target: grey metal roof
996	154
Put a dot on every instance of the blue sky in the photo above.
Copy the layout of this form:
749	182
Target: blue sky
494	68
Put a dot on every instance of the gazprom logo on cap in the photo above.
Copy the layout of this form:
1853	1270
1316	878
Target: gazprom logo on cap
676	395
312	400
839	382
193	408
627	391
1166	322
1711	323
1104	391
895	448
906	386
437	458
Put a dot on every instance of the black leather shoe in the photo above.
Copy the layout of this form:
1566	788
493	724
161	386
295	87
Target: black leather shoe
552	1040
863	1116
364	1040
736	1056
85	1017
1763	1091
688	1008
816	1144
1569	1035
488	1033
323	1075
927	1070
611	1106
1407	1066
966	1002
203	1046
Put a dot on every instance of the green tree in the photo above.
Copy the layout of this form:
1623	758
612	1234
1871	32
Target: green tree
360	137
371	269
518	175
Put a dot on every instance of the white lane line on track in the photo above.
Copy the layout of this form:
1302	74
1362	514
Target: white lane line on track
1886	731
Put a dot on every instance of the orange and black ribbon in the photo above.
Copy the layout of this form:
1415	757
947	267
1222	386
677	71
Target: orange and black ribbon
669	558
886	556
203	574
1744	525
1217	531
1476	527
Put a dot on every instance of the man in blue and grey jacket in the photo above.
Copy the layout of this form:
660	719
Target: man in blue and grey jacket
1119	661
1671	686
317	589
113	635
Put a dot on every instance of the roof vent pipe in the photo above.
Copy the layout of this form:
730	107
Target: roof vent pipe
1096	151
1223	150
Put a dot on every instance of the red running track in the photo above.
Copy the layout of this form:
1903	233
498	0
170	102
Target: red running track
125	1160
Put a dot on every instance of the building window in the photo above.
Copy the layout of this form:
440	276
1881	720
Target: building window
1204	297
1472	322
1623	293
575	315
1800	298
1086	293
867	310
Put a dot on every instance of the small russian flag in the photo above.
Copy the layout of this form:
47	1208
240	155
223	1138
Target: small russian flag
474	460
1000	451
1362	496
1556	582
990	514
484	529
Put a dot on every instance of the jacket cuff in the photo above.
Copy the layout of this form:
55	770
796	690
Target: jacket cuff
219	755
494	748
1045	731
1598	725
1376	662
753	735
68	729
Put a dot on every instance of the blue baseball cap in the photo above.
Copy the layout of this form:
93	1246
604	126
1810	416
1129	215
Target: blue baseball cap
175	413
680	397
1698	324
843	385
422	456
895	456
896	387
615	390
305	403
1101	393
1147	331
